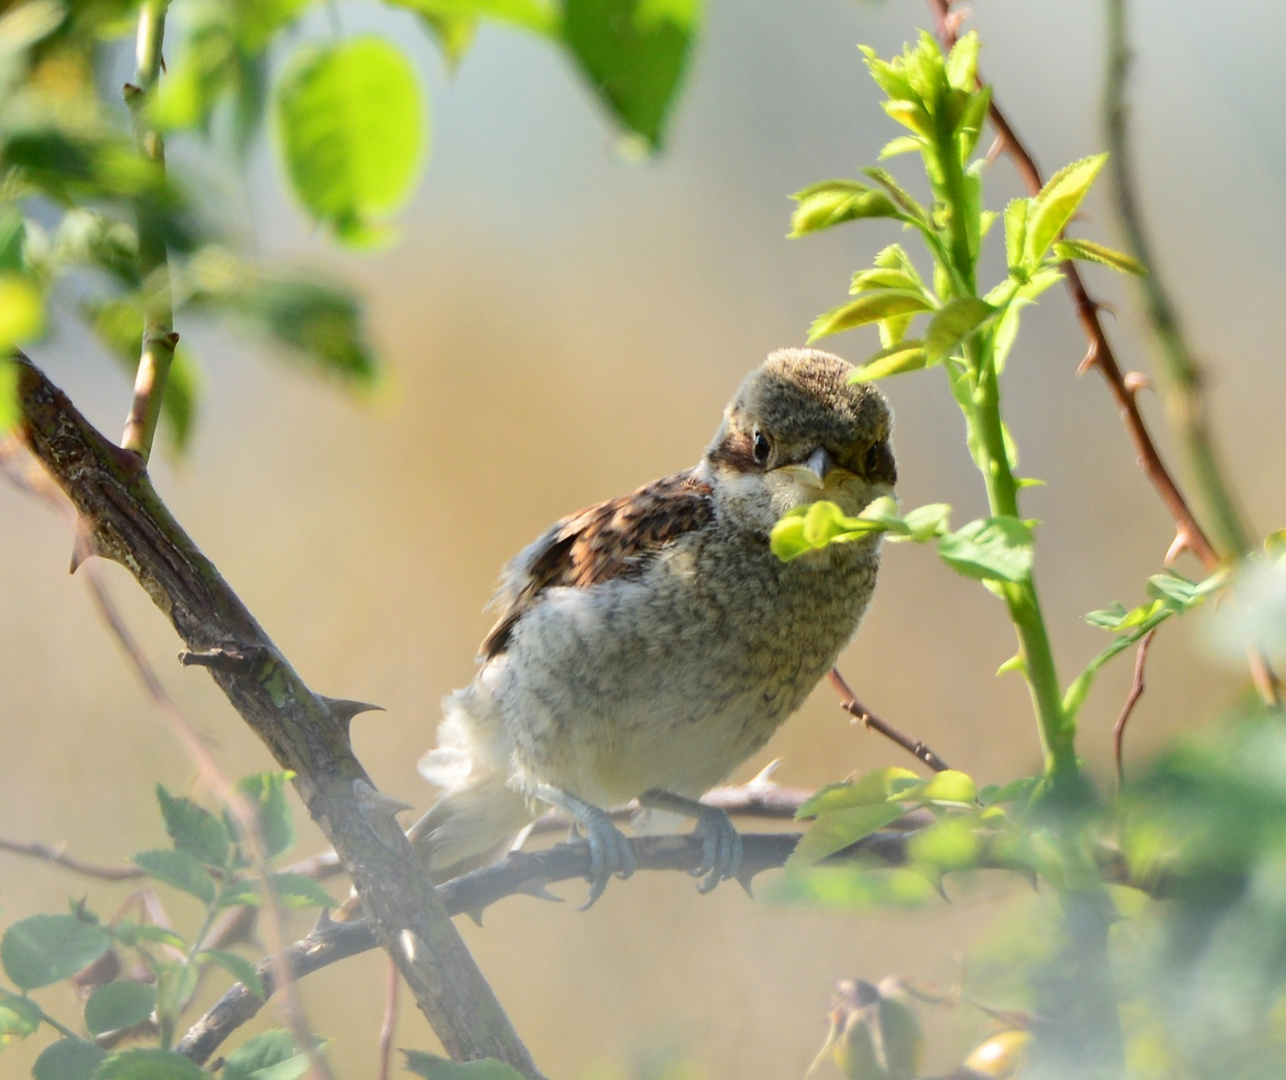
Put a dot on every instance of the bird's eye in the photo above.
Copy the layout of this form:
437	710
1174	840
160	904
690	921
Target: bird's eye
761	448
874	457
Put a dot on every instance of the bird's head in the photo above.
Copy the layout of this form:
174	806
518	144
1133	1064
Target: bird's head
798	431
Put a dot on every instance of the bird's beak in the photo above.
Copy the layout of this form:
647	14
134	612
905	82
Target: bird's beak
820	464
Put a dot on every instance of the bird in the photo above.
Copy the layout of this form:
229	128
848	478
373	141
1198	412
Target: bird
648	645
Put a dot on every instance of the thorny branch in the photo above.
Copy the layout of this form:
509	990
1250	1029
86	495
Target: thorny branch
125	520
518	873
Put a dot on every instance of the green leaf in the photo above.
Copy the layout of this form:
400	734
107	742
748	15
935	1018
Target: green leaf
266	793
194	829
272	1055
44	949
969	127
950	844
832	202
1088	251
22	311
951	325
926	522
903	144
962	64
119	1005
159	935
293	891
19	1017
883	278
899	358
1007	325
949	786
1275	545
68	1059
1053	208
837	829
354	126
150	1064
868	308
1016	234
633	52
10	413
179	869
433	1067
237	966
813	527
876	786
900	196
990	549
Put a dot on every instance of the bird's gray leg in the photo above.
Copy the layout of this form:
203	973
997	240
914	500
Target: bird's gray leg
609	851
721	851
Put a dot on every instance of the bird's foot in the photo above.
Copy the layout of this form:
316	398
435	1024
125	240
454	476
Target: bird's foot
720	841
609	850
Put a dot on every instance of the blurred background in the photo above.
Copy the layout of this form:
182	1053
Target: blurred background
561	326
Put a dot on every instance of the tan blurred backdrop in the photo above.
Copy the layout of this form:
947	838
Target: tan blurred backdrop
561	327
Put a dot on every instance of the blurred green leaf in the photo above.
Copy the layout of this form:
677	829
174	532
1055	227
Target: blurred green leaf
119	1005
902	198
22	311
266	793
293	891
271	1055
948	786
835	830
1016	234
10	413
149	1063
1058	200
634	52
875	787
903	144
832	202
990	549
869	307
237	966
19	1017
68	1059
1007	325
44	949
433	1067
1088	251
952	324
194	829
353	126
179	869
847	888
949	844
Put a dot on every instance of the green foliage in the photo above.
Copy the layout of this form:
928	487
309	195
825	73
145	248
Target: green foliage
119	1005
353	132
634	53
68	1059
272	1055
817	525
44	949
433	1067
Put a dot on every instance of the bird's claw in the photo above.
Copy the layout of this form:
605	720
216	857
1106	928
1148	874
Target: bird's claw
609	853
720	848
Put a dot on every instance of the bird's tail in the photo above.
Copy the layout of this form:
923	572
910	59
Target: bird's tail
478	814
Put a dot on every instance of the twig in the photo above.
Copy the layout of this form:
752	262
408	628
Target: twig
126	521
1100	354
389	1024
159	338
1182	379
1132	699
849	702
59	858
517	873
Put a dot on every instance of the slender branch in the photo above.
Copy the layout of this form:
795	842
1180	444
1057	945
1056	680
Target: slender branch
159	338
1131	699
1100	354
849	702
59	858
125	520
518	873
1181	383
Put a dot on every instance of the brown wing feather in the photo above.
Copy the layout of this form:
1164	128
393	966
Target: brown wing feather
608	540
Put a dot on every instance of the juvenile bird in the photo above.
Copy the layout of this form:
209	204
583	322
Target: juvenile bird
647	645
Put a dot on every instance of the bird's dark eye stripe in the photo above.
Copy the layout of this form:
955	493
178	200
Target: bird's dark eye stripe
761	448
